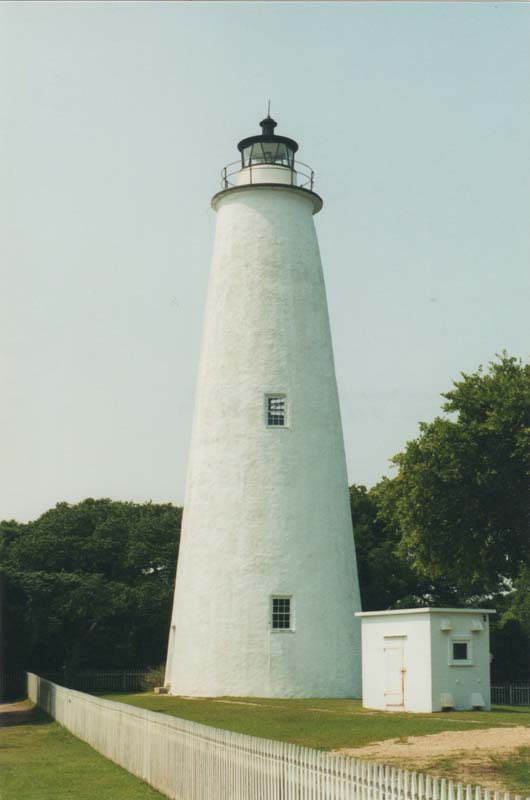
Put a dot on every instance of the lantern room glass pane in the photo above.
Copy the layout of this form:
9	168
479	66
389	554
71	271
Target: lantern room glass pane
284	155
270	150
268	153
257	154
246	155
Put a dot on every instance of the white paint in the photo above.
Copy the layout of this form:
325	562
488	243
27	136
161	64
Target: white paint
187	761
266	173
394	661
408	662
267	510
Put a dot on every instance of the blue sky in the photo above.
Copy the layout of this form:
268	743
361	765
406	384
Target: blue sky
116	121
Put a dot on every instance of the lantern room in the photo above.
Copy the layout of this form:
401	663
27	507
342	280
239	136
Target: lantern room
268	158
267	148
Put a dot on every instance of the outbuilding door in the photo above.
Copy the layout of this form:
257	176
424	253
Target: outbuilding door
394	660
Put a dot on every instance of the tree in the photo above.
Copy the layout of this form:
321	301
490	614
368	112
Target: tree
387	576
461	498
385	579
511	632
91	584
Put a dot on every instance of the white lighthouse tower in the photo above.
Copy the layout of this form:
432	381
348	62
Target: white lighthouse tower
266	588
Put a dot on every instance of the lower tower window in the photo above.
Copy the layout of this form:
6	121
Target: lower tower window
281	614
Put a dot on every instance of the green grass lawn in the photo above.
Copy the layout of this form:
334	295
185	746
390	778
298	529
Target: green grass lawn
516	771
336	724
323	724
40	760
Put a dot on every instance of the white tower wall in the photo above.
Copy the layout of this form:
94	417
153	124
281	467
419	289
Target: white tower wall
267	508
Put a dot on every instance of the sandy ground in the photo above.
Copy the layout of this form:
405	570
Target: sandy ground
15	713
474	752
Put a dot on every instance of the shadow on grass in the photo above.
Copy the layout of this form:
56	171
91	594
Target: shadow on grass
24	716
511	709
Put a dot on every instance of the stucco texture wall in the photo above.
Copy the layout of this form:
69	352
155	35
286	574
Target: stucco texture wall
460	680
414	632
267	509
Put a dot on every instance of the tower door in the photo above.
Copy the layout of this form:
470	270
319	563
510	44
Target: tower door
394	661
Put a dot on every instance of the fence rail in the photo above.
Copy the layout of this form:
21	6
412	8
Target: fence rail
13	684
511	694
188	761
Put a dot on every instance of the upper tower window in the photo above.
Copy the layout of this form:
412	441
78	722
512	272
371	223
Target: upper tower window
276	410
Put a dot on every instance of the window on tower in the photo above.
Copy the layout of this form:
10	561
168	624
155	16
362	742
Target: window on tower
276	411
281	614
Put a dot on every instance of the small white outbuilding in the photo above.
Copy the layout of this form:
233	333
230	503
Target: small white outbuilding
426	659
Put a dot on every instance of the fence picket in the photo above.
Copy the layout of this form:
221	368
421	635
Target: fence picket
428	788
513	694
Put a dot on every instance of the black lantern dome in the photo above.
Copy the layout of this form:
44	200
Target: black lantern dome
267	148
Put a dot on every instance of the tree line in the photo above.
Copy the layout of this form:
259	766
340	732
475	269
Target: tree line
90	585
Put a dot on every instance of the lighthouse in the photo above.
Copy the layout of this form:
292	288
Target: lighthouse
266	588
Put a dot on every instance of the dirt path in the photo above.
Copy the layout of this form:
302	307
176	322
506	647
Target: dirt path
16	713
473	755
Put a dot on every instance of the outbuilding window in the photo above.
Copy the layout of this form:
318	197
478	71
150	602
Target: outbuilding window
281	614
276	409
460	651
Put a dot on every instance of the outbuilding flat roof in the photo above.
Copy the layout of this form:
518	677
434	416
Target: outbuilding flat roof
425	611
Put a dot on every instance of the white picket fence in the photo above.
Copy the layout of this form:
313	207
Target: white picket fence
188	761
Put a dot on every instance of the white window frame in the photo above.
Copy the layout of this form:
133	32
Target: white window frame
271	396
461	638
291	627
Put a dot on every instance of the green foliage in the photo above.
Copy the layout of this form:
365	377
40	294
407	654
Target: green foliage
461	498
90	585
155	676
386	580
516	770
519	608
511	632
453	526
